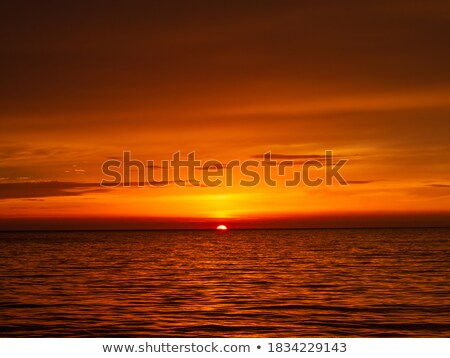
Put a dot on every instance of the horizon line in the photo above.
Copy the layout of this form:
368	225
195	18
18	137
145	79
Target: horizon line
239	229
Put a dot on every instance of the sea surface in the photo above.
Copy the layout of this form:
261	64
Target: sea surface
248	283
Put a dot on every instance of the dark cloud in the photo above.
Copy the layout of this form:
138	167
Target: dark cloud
46	189
361	181
144	184
213	166
439	185
30	190
276	156
154	166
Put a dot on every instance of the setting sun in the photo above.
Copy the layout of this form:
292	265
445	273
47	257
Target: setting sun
222	227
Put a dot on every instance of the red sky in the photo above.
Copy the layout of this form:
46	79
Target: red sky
83	82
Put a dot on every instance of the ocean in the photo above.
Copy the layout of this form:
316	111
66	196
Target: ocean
241	283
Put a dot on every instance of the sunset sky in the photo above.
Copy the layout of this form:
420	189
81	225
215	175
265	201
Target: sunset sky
82	82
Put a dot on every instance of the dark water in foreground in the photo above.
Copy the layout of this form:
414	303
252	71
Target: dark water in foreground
277	283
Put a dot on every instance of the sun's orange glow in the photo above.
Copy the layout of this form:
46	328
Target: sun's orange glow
222	228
